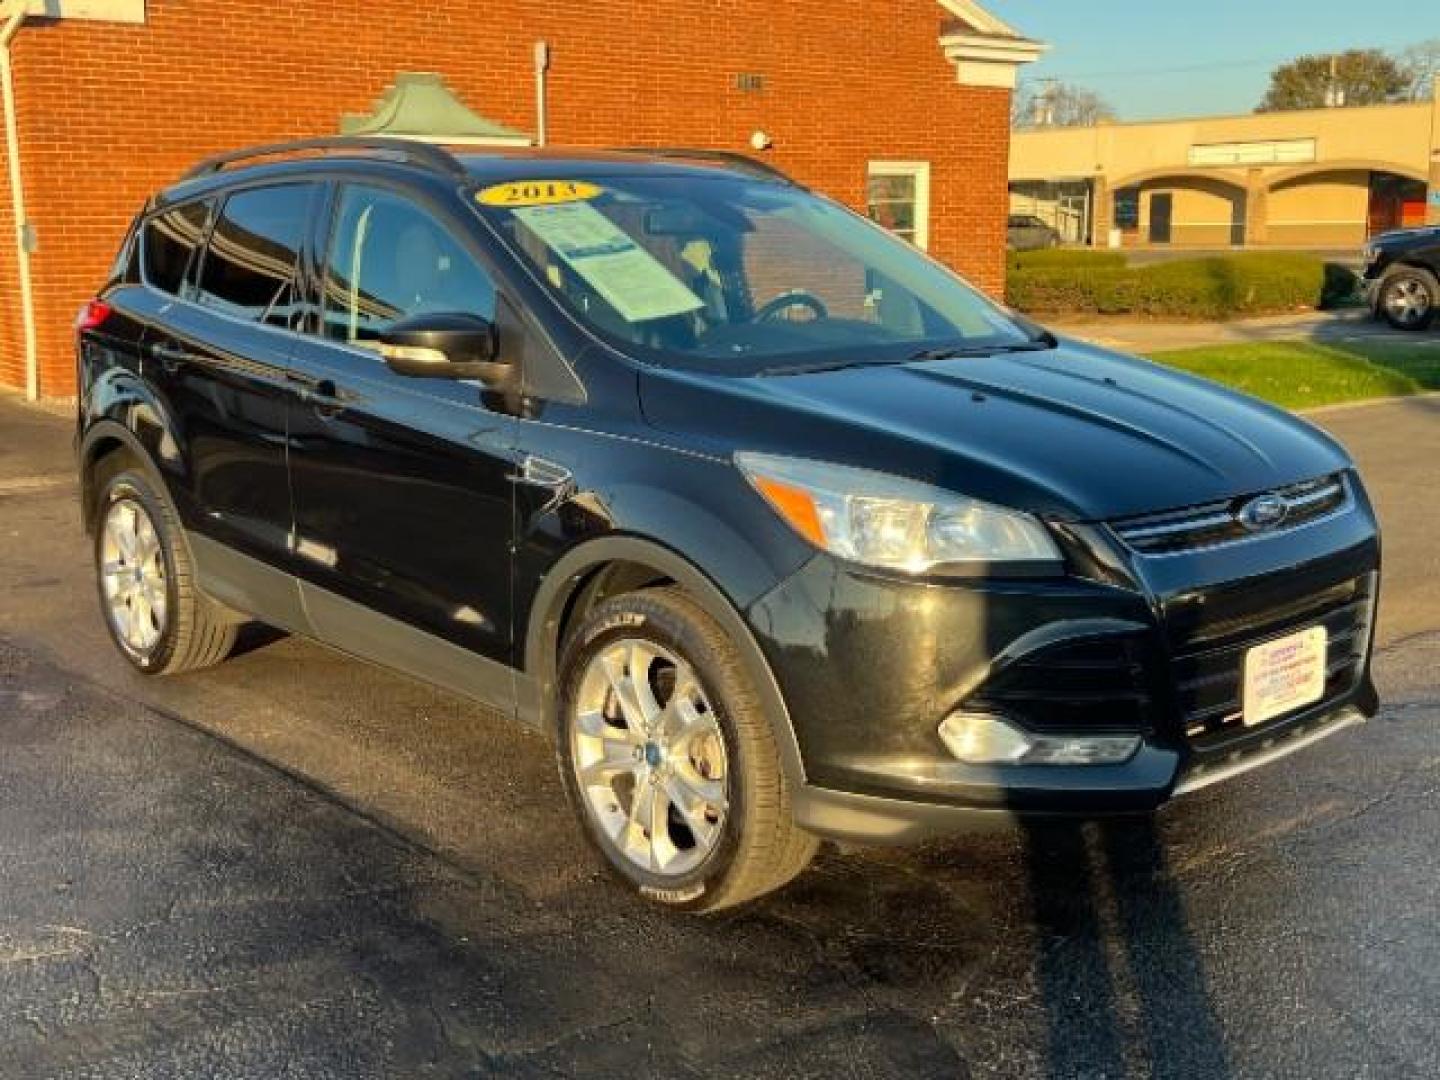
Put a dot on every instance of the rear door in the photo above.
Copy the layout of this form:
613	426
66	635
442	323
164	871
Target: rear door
402	485
222	354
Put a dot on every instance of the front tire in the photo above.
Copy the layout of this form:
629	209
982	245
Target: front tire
156	617
1409	298
668	757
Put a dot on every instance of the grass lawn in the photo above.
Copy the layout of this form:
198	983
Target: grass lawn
1303	375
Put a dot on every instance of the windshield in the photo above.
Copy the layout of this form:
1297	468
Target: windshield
730	274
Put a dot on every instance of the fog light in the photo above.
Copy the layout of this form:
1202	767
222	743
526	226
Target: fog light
982	739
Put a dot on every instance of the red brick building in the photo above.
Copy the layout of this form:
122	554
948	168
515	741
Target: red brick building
900	105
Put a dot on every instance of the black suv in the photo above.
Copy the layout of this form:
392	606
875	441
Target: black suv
1402	277
776	526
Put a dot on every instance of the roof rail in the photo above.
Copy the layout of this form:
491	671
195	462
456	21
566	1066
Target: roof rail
410	150
738	161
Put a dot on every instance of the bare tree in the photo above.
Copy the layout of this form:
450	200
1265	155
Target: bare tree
1057	104
1420	65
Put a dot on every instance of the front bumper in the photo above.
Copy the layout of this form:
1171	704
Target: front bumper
1370	290
869	665
874	819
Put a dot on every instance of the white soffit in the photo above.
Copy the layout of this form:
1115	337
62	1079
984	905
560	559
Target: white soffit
985	50
116	11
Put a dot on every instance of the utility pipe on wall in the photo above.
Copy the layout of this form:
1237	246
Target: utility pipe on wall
13	18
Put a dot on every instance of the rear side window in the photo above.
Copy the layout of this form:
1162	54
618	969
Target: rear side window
170	243
250	265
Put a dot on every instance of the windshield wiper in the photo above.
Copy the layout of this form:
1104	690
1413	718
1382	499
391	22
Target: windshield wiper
823	365
961	352
1043	342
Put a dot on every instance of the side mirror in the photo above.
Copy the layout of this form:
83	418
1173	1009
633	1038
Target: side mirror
455	345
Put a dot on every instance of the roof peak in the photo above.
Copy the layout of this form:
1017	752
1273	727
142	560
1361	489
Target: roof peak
418	105
971	16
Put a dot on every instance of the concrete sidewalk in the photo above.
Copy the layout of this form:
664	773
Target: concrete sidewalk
1139	336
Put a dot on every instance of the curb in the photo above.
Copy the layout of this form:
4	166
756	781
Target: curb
1349	406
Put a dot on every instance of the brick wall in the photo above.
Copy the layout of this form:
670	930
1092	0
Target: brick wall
108	113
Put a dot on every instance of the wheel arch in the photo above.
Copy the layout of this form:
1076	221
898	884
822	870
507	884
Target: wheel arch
103	438
610	565
1429	263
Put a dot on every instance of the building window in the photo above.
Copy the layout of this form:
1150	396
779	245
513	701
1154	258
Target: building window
897	196
1127	209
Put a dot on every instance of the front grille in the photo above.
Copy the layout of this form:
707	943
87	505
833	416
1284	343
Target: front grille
1093	685
1217	523
1211	636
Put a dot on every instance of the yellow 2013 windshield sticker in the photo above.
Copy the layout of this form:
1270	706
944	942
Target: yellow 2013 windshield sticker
538	192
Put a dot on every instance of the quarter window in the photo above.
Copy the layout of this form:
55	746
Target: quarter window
390	259
897	196
170	241
250	264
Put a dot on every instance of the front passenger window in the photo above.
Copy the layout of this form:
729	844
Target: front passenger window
390	259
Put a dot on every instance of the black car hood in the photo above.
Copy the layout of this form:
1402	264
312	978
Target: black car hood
1074	433
1420	234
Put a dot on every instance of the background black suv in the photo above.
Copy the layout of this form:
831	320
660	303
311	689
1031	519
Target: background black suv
1402	277
779	528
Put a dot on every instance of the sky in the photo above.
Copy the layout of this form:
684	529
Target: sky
1156	58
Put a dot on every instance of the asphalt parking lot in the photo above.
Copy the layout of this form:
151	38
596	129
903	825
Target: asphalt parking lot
296	865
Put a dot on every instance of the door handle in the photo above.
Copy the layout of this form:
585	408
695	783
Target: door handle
322	395
538	472
171	357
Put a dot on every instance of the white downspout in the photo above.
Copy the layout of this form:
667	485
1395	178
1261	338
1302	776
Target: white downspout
542	65
17	198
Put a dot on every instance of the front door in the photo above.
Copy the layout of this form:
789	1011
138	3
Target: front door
1162	212
402	485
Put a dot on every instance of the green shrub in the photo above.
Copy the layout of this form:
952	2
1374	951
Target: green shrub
1220	287
1064	257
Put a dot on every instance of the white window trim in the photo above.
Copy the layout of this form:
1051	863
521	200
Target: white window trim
920	170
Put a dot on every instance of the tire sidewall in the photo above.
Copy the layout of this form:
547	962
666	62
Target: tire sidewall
133	486
639	618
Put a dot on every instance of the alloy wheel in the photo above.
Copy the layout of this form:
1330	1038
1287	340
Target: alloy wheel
649	757
1408	301
132	576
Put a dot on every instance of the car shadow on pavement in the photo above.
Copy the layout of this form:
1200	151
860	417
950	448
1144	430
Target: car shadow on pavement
254	636
1118	971
1056	949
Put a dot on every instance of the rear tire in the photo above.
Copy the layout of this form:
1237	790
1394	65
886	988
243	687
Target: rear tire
157	618
1409	298
727	834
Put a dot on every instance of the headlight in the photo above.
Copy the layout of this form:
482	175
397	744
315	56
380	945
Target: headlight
890	522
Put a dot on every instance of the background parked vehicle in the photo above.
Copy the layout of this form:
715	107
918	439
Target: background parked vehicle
1402	277
1029	233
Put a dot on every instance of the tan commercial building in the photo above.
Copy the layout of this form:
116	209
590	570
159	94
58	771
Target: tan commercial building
1321	178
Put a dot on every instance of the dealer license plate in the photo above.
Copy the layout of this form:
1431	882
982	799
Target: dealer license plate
1284	675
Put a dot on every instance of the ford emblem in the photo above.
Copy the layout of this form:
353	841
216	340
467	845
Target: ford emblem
1264	513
